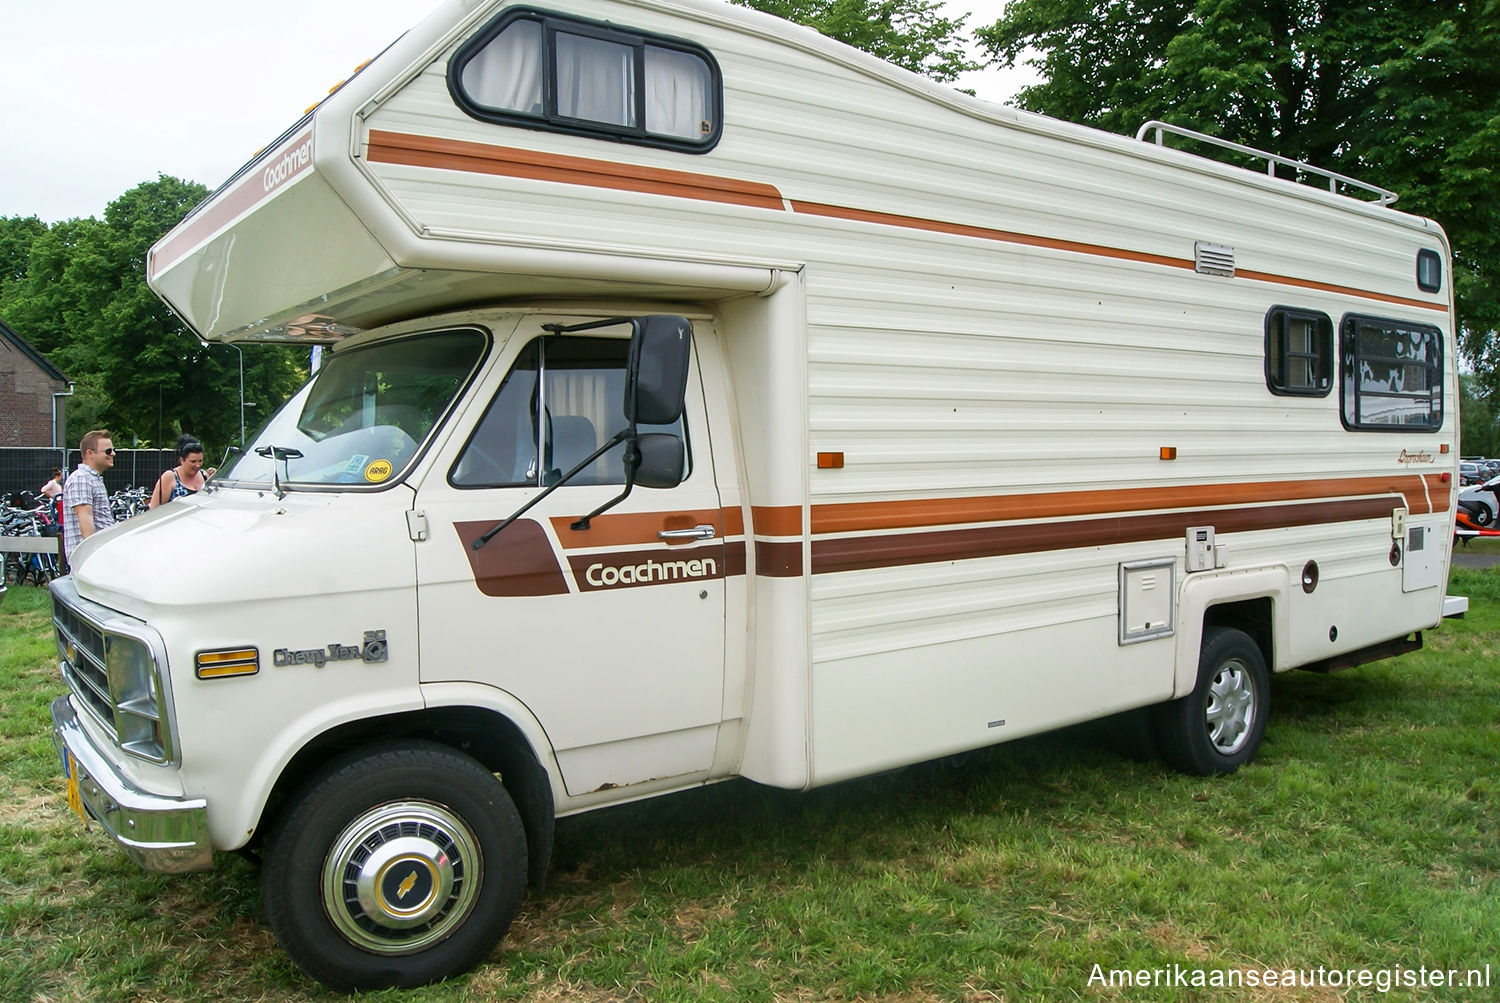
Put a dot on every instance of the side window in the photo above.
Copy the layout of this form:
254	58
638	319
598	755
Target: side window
1299	352
1392	374
545	71
560	402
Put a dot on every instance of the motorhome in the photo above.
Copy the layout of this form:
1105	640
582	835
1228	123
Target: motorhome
704	398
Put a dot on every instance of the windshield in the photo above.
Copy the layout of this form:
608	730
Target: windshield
365	415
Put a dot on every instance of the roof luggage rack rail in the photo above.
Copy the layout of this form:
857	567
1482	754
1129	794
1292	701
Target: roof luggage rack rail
1384	196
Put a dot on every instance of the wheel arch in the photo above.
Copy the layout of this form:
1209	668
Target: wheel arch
489	736
1252	601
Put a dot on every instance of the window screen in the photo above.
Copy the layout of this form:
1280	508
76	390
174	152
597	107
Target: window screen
1299	352
1392	374
545	71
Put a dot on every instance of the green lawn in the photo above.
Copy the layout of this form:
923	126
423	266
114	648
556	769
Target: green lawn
1366	836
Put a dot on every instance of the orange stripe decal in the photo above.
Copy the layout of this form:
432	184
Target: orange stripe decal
1077	247
633	529
504	161
985	233
776	520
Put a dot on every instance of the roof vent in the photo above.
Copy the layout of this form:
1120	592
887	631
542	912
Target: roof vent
1213	259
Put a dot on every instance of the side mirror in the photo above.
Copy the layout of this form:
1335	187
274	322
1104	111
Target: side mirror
661	460
656	377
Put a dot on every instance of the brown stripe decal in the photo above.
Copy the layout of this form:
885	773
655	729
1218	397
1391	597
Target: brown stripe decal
504	161
1078	247
862	516
518	562
778	560
859	553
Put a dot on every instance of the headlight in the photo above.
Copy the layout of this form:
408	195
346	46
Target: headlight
135	690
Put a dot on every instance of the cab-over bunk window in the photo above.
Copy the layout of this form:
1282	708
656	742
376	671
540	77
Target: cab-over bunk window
1392	374
544	71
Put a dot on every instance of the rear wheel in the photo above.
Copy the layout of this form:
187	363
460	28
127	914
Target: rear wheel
1218	727
396	866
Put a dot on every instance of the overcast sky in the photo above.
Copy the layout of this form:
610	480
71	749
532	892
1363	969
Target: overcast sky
97	96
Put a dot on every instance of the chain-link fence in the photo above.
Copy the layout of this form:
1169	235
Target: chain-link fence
29	469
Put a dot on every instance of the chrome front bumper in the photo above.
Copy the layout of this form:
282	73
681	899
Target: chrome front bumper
157	832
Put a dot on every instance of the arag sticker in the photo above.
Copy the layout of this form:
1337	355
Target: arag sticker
377	471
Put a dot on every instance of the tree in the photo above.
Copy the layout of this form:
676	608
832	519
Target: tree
910	33
83	301
1406	96
16	236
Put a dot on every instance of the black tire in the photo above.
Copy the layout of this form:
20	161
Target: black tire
1218	727
1482	515
366	831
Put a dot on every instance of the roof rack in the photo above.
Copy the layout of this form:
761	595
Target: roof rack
1383	196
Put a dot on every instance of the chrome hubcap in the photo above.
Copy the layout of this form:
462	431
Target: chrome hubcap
1231	707
401	877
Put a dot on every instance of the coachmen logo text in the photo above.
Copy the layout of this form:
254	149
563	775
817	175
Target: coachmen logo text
292	163
374	649
651	572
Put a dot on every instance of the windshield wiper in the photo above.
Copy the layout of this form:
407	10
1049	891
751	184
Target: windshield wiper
282	453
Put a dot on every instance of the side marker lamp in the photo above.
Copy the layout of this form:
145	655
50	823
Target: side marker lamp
227	662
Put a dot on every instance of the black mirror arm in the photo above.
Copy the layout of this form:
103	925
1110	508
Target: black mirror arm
614	441
632	462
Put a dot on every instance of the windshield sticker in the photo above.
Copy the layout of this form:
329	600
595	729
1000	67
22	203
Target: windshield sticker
378	471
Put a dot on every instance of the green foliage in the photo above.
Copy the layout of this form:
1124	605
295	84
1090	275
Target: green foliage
910	33
1404	95
1478	434
77	291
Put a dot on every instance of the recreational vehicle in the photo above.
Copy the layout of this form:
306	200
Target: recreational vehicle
705	399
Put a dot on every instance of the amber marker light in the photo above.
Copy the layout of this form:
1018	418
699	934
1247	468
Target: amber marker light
830	461
1169	452
227	662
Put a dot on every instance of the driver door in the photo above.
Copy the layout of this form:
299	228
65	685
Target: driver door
613	636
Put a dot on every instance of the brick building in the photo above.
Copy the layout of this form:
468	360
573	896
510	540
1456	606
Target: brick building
27	384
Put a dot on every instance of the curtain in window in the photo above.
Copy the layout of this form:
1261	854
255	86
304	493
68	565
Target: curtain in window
677	91
507	73
595	80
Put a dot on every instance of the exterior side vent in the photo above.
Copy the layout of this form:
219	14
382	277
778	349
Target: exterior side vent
1213	259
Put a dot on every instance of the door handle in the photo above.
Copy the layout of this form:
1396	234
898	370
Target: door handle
701	532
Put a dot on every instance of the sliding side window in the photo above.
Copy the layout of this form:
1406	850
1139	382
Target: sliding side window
1299	352
561	400
544	71
1392	374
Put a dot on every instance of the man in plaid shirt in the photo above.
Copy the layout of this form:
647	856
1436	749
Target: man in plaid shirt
85	499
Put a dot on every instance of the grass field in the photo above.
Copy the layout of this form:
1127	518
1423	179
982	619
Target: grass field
1366	836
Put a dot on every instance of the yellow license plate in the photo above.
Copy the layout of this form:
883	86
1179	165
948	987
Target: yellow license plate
74	800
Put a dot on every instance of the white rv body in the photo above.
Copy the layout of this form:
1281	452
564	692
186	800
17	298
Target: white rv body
982	438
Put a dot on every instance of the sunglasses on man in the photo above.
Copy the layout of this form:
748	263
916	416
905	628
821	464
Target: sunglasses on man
107	452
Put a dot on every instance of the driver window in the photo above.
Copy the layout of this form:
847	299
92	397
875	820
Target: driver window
560	401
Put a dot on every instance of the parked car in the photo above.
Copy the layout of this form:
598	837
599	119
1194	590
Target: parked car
1469	473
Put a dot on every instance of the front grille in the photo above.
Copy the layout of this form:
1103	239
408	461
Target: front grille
80	645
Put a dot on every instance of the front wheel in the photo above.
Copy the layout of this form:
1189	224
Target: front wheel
1218	727
398	865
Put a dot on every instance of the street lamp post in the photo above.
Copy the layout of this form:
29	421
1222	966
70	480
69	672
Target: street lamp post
242	393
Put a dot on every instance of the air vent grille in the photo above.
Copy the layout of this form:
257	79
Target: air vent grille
1213	259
